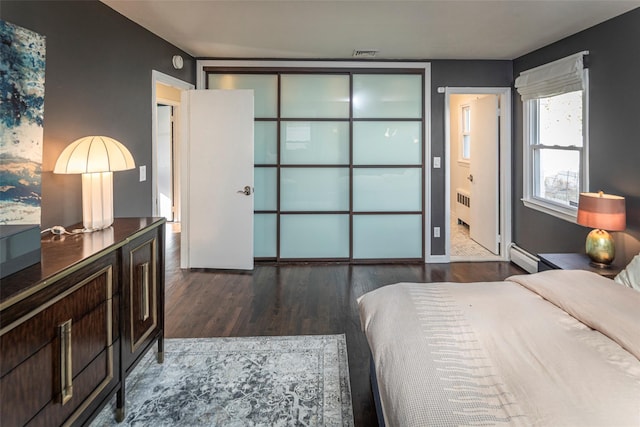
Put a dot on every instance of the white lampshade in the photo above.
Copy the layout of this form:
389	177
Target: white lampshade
94	154
95	157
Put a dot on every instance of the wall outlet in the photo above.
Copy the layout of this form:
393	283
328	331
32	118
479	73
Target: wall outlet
436	162
436	231
143	173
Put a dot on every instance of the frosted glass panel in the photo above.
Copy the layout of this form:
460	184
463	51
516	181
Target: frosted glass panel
265	142
314	143
387	236
265	90
314	236
387	143
264	235
387	96
314	96
387	189
314	189
265	193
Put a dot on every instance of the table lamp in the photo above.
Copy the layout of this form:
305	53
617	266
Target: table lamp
602	212
96	158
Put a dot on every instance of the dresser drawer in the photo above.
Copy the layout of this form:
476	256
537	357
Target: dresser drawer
86	385
56	358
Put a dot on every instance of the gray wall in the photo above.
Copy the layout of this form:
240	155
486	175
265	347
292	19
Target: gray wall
614	135
454	74
97	81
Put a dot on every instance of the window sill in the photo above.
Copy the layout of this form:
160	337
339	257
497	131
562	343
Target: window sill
567	214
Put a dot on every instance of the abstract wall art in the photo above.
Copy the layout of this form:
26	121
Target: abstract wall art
22	71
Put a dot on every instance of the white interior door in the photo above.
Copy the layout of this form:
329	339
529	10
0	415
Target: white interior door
217	216
484	172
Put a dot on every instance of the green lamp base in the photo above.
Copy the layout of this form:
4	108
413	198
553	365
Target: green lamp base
600	248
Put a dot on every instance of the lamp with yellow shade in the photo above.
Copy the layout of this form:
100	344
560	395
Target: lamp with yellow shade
603	212
96	158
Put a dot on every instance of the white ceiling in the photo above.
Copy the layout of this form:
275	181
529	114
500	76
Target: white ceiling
419	29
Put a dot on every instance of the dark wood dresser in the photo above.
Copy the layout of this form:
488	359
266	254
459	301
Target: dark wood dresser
74	326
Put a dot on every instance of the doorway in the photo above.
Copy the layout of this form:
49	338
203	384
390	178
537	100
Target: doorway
166	184
165	156
478	182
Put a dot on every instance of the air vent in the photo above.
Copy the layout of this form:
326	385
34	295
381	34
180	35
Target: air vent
365	53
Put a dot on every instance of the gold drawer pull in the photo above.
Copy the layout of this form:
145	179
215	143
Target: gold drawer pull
144	300
66	371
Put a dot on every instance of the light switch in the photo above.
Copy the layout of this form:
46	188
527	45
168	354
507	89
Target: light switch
143	173
436	231
436	162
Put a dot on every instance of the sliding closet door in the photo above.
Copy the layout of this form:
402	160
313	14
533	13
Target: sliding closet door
266	190
388	177
314	166
265	89
339	170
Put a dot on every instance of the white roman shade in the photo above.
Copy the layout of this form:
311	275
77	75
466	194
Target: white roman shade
555	78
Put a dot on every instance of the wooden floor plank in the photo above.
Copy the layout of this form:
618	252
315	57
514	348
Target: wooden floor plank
300	299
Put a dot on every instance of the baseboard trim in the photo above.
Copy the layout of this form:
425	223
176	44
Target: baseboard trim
523	259
437	259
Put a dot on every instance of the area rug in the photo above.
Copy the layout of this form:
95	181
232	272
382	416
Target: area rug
257	381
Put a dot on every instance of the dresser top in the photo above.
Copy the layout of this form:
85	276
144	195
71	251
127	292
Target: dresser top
63	252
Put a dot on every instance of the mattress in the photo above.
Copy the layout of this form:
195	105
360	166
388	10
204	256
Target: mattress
557	348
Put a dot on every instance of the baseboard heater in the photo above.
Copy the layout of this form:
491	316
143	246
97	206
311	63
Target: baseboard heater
523	259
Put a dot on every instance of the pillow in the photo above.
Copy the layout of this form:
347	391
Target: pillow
630	276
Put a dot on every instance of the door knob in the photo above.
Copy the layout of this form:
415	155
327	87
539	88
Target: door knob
470	178
246	191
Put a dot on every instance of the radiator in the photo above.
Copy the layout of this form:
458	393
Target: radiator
463	205
523	259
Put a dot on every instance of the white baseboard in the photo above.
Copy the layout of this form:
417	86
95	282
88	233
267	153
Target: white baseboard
437	259
523	258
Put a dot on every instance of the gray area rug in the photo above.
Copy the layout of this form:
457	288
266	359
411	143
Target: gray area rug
257	381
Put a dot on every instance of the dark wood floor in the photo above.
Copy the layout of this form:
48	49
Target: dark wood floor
301	299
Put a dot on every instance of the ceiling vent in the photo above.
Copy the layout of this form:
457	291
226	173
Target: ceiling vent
365	53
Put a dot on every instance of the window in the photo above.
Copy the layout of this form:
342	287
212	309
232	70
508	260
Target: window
555	135
465	137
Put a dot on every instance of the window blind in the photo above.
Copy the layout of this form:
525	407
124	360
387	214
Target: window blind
555	78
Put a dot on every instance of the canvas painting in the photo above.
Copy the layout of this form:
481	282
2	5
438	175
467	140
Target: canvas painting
21	123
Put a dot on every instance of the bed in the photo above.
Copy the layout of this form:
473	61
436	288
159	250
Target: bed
556	348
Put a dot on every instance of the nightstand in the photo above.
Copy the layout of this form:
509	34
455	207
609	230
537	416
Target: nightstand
574	262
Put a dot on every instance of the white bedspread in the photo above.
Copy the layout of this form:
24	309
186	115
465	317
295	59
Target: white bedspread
497	353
